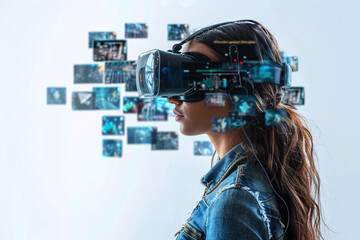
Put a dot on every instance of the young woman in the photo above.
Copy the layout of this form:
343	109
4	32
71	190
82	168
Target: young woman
244	199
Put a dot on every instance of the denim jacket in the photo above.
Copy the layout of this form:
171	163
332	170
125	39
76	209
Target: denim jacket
238	203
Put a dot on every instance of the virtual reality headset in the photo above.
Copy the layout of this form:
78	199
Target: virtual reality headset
190	75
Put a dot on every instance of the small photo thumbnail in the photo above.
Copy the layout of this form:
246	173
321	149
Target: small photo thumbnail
130	104
141	135
177	32
220	124
113	125
112	148
243	105
88	73
215	99
151	109
294	96
274	117
110	50
83	100
100	36
56	95
120	71
107	98
166	141
203	148
136	30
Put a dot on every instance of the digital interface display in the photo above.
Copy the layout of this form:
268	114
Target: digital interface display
141	135
112	148
166	141
83	101
107	98
136	30
203	148
274	117
100	36
130	104
113	125
110	50
177	31
120	71
294	96
221	124
56	95
88	73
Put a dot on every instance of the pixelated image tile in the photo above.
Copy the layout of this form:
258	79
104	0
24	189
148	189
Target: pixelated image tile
203	148
136	30
56	95
113	125
112	148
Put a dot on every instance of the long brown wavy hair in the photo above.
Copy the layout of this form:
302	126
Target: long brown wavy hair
286	150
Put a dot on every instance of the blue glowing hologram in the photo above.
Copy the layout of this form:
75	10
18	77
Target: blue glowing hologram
274	117
177	31
107	98
113	125
56	95
119	71
220	124
166	141
136	30
88	73
112	148
100	36
141	135
130	104
203	148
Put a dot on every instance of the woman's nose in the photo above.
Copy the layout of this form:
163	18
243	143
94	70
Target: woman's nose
174	100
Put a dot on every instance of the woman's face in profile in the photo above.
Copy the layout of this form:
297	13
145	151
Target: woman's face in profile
196	117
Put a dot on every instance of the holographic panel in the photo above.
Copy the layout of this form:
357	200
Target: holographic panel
177	31
107	98
136	30
112	148
100	36
88	73
56	95
203	148
113	125
166	141
141	135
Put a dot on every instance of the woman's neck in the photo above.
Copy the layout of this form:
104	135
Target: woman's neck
225	141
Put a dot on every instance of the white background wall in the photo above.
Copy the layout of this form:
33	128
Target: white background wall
54	182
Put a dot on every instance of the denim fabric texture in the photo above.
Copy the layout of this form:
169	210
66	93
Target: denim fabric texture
238	203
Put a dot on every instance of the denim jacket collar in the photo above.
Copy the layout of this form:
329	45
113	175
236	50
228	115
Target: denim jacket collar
216	172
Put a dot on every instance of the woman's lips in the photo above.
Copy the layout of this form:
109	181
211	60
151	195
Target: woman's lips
178	116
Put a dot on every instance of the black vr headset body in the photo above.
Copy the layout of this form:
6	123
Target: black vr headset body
190	75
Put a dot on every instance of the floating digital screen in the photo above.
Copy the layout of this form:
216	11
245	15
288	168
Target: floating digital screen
150	109
56	95
110	50
166	141
136	30
113	125
141	135
177	31
83	101
130	104
220	124
274	117
243	105
112	148
294	96
120	71
203	148
100	36
88	73
107	98
294	63
215	99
